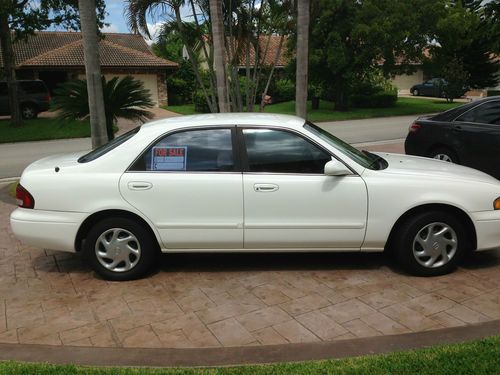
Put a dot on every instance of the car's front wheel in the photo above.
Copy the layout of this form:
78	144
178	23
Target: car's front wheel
120	249
430	243
415	92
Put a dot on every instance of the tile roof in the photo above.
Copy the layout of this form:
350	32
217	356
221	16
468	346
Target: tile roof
65	49
268	46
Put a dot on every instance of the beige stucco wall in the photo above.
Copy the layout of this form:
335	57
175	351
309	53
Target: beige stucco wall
405	81
148	80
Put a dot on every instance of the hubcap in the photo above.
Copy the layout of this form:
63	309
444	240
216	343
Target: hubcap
435	245
443	157
28	112
118	250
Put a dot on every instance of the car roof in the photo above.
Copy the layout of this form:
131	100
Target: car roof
225	119
453	113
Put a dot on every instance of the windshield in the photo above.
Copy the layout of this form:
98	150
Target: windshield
99	151
363	158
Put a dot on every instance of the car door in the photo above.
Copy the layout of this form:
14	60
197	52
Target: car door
288	200
479	133
189	185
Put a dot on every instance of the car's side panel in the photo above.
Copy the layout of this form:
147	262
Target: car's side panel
392	195
481	146
190	210
304	211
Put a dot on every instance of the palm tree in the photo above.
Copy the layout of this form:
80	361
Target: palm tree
217	21
303	14
95	100
124	98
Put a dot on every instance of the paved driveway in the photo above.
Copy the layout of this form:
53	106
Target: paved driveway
219	300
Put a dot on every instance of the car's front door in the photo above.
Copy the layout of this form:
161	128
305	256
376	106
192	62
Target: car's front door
288	200
190	187
479	133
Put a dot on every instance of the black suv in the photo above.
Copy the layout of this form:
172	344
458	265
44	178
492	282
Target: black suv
34	97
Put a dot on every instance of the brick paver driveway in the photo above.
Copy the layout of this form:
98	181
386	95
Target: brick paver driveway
231	300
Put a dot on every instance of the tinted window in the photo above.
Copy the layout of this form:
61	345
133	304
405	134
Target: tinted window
98	152
33	87
282	152
208	150
487	113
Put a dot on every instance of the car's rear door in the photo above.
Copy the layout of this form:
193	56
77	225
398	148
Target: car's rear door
479	132
288	200
188	183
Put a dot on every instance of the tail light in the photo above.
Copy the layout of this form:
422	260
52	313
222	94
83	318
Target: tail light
48	98
414	127
23	197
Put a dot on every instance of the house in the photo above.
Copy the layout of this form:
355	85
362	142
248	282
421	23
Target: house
56	57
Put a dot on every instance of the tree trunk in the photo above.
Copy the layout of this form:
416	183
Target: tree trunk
275	61
341	99
219	54
303	14
10	70
93	72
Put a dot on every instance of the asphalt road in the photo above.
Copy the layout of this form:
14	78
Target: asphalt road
14	157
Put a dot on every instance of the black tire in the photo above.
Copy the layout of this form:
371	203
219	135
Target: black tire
141	239
405	240
445	154
29	111
415	92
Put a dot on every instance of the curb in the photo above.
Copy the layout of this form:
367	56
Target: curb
7	180
135	357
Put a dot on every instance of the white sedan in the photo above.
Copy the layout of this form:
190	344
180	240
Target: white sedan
253	183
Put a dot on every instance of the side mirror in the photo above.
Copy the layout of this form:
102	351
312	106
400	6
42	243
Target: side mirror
336	168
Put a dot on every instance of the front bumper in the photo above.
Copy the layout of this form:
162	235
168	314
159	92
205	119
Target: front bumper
46	229
487	225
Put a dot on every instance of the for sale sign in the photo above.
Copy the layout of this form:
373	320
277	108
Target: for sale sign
169	158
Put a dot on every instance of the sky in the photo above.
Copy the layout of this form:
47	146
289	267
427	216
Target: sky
116	19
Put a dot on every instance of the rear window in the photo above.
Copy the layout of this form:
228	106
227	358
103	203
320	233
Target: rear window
33	87
98	152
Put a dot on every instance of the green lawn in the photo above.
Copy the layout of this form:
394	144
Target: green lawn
43	129
478	357
404	106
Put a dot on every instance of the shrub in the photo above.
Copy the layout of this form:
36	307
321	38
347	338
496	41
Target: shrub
284	91
181	84
200	102
380	99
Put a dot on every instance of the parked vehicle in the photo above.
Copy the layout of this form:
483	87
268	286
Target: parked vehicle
34	97
252	183
432	87
468	135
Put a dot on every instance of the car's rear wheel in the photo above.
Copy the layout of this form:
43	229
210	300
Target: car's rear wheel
444	154
415	92
120	249
29	111
430	243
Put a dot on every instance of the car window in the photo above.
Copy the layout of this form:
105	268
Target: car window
3	88
104	149
33	87
487	113
207	150
277	151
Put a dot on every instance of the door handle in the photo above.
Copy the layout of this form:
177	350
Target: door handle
457	129
265	188
139	185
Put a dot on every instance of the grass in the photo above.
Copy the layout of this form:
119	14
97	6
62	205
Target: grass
43	129
477	357
326	112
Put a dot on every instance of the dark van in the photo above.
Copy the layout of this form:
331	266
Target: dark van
34	97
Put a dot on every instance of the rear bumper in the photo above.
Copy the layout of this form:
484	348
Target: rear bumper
46	229
487	225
